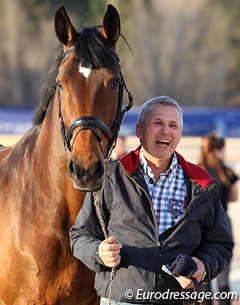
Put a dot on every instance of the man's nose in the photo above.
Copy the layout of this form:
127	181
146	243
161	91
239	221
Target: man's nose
165	128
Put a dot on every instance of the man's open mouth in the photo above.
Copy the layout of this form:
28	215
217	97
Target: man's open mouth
163	142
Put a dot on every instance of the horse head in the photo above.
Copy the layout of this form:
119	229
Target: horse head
89	91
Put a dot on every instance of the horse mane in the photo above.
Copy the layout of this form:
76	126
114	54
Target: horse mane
91	49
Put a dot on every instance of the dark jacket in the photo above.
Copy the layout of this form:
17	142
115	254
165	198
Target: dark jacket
223	189
129	215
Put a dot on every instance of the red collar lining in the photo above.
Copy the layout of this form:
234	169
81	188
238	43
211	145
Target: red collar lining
199	175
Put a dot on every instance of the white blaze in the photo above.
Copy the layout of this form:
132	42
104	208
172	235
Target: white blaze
85	71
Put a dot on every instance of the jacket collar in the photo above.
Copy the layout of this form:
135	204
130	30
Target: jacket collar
130	163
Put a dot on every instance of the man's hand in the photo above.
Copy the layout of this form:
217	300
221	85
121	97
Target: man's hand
187	283
109	252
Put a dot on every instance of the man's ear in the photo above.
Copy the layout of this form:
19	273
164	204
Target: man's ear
139	131
180	137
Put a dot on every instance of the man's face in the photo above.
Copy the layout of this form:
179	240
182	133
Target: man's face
161	131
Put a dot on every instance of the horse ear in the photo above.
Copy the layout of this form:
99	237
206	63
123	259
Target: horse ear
111	25
64	29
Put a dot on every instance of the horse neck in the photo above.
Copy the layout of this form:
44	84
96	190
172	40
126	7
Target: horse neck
51	144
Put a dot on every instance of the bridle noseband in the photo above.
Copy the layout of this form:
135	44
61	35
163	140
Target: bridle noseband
93	123
88	122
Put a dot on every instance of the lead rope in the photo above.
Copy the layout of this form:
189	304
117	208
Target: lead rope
96	197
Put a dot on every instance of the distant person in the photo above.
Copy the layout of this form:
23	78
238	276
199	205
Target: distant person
157	208
120	148
212	159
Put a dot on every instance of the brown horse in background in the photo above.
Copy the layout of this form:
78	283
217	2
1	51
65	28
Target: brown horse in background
43	177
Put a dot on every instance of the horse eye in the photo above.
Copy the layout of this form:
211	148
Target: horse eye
115	85
59	85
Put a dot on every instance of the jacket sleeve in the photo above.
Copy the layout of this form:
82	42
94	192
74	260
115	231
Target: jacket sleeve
216	247
86	235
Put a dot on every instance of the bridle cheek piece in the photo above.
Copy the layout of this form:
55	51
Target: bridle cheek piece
94	124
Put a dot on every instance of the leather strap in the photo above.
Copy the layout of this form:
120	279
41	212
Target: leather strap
198	287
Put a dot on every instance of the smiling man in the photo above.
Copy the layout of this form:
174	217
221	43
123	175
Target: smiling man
157	207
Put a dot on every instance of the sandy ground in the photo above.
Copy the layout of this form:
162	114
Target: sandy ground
189	148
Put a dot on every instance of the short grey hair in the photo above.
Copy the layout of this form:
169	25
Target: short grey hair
159	100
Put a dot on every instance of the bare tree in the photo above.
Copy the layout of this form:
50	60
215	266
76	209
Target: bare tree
180	49
10	47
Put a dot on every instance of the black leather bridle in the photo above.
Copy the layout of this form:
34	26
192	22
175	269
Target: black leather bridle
89	122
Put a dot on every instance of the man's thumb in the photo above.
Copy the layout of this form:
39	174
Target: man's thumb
111	239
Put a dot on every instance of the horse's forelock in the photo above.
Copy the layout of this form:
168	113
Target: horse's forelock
91	49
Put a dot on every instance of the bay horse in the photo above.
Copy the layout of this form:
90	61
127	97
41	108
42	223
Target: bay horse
44	176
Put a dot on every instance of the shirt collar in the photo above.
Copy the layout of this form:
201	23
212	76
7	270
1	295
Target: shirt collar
147	170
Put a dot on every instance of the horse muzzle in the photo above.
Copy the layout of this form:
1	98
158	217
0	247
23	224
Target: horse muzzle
86	178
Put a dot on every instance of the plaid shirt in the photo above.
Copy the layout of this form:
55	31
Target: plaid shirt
167	193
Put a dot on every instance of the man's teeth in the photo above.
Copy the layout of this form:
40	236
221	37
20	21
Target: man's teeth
165	142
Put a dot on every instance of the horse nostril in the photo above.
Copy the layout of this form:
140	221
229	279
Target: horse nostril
93	172
70	166
97	169
74	170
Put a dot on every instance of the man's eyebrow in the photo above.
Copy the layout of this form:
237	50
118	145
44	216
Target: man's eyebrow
174	122
171	121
